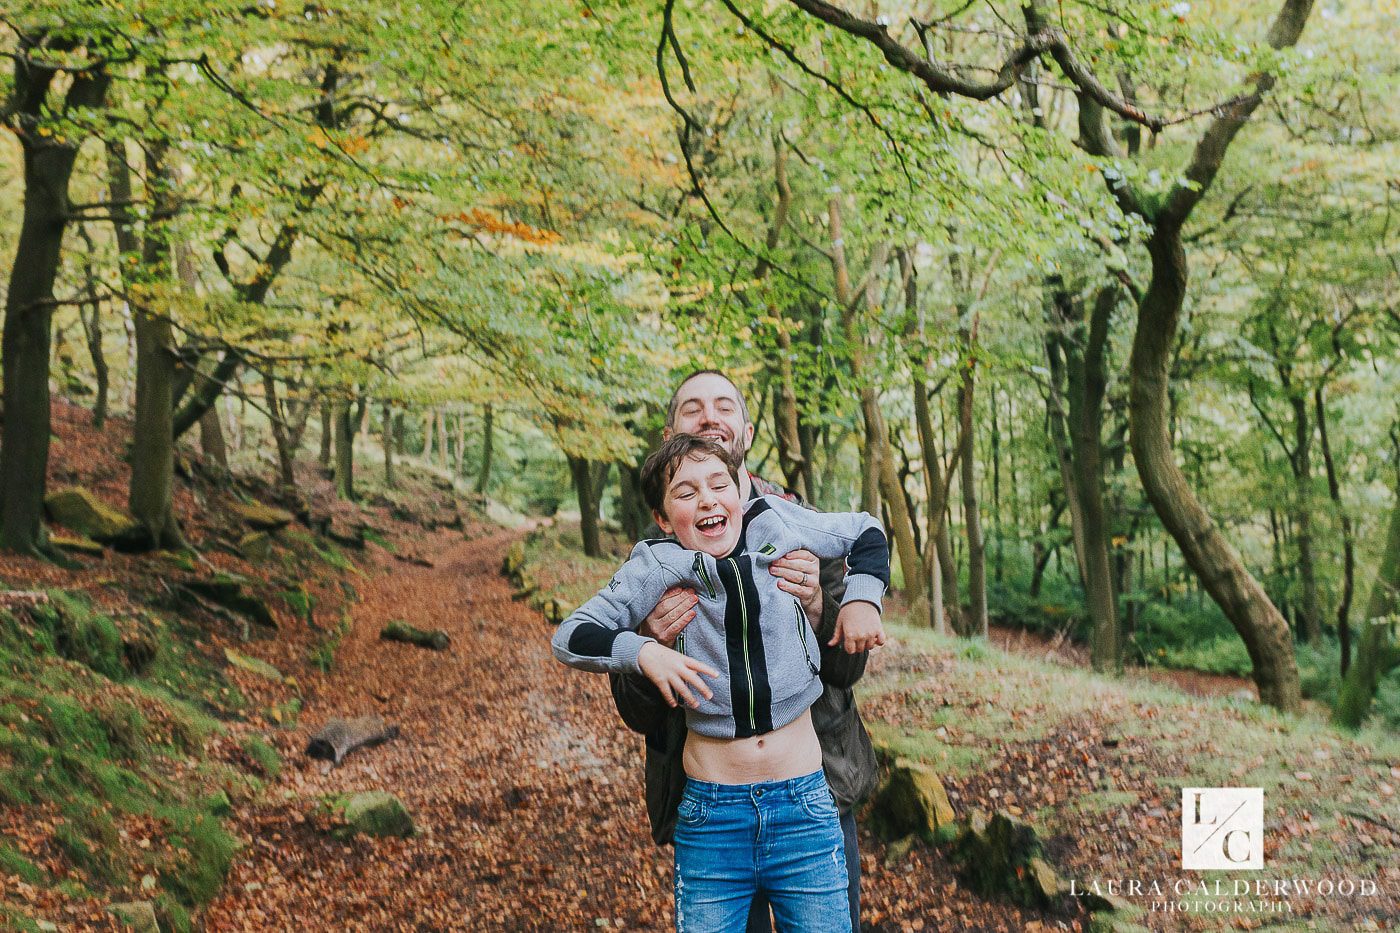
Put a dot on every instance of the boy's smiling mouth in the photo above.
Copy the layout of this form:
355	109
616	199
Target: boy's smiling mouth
712	526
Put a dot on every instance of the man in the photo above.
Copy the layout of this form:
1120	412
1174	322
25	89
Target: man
708	404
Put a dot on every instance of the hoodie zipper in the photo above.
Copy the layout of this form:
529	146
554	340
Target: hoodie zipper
744	615
802	627
700	571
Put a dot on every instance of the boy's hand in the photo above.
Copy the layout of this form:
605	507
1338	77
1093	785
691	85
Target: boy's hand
672	614
673	672
858	626
799	573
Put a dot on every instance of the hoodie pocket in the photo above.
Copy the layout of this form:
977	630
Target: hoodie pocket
806	636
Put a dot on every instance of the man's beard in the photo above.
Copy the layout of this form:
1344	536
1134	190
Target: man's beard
738	449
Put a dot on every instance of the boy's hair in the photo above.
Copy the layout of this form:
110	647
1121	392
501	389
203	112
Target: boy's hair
661	466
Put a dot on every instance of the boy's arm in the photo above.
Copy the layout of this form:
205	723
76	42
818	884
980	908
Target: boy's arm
839	669
600	635
856	536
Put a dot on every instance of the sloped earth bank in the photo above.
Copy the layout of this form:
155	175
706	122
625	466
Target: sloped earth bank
526	788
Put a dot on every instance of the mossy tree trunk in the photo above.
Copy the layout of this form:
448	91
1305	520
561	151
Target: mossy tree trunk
48	161
146	262
386	415
1376	649
582	474
344	418
488	445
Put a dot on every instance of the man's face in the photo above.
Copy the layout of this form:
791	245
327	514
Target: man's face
708	405
702	506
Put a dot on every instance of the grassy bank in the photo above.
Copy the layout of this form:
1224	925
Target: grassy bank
112	782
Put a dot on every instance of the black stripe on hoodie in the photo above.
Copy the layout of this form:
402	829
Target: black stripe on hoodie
734	643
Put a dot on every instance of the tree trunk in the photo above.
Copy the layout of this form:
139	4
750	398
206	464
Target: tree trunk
998	526
1059	315
327	435
582	474
1376	650
793	459
211	439
24	349
286	465
429	419
488	444
940	573
1310	612
976	621
92	330
1334	491
344	450
443	453
1087	382
1206	551
386	414
153	440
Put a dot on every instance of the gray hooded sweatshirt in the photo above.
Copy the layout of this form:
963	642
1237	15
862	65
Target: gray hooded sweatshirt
753	633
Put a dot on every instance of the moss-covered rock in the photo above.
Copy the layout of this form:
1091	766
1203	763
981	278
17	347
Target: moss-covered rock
79	510
256	546
227	590
1001	856
77	545
556	610
398	630
911	801
253	665
373	813
139	916
261	517
515	560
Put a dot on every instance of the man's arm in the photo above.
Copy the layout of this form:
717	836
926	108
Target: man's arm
639	703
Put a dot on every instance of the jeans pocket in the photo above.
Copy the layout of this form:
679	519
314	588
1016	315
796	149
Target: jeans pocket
819	805
692	812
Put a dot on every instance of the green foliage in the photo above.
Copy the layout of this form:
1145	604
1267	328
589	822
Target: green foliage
1187	636
322	656
263	756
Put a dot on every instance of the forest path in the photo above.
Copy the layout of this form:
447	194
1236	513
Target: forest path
525	787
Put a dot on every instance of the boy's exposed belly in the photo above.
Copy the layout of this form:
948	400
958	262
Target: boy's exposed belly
787	752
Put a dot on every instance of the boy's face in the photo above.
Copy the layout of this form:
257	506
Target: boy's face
702	507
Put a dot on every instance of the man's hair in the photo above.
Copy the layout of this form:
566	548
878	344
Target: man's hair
675	402
661	466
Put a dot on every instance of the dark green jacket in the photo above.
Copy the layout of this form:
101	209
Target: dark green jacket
847	755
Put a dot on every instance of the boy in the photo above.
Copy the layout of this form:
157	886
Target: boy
756	811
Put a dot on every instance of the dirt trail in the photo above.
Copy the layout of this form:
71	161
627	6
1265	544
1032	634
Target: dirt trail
525	787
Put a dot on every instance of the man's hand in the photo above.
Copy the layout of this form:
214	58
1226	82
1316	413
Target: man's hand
799	573
673	672
672	614
858	626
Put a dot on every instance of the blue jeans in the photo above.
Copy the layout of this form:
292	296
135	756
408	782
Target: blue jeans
780	837
761	919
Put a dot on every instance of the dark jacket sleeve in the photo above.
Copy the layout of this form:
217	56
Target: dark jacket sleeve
639	703
839	669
